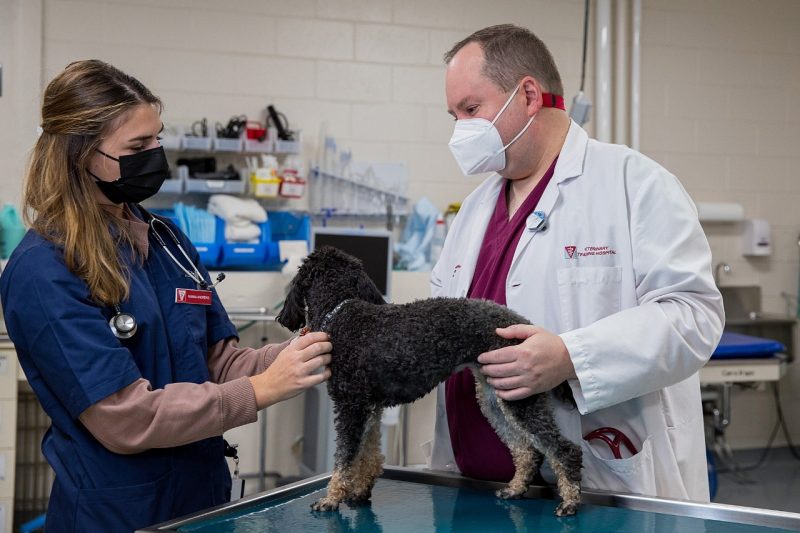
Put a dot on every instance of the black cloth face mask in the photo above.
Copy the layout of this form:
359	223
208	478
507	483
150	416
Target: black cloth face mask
141	176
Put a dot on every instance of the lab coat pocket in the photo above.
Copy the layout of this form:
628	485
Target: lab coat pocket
633	474
126	508
587	294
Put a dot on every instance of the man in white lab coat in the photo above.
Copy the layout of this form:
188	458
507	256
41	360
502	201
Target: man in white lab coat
600	248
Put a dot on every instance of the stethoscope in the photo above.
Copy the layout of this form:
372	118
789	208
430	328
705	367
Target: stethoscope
123	325
613	438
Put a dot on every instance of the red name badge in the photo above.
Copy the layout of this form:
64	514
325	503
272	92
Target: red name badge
192	296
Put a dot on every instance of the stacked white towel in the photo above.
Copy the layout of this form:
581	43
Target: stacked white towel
240	215
242	232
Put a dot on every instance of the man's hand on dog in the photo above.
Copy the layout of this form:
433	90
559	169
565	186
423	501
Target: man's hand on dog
299	366
536	365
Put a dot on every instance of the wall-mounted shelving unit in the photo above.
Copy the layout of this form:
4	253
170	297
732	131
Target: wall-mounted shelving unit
341	196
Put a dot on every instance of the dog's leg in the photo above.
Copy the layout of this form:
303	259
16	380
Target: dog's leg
536	418
566	461
368	464
527	459
357	462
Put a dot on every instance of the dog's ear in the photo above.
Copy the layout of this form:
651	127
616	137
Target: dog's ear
293	314
367	290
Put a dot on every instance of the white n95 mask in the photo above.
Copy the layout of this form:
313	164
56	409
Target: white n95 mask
476	143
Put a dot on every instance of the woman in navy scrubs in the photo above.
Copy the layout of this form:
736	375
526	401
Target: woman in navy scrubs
137	413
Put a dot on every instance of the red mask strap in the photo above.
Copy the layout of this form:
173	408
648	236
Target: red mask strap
553	100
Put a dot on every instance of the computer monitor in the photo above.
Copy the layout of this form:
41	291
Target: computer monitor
373	247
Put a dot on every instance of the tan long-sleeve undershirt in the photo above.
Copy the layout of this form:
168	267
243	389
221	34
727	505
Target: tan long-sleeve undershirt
138	418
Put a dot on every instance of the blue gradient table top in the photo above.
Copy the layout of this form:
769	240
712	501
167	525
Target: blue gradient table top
405	506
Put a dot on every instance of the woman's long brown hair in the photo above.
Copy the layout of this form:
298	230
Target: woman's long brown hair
81	104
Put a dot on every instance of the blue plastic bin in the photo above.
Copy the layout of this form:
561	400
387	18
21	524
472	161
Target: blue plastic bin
263	255
247	255
209	252
288	226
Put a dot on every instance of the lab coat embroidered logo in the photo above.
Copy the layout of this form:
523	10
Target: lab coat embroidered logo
597	250
569	252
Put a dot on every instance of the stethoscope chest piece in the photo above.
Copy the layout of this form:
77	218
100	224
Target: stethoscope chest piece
123	325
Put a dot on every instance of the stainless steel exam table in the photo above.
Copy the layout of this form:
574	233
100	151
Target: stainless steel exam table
408	500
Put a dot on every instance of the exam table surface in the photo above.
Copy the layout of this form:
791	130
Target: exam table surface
408	500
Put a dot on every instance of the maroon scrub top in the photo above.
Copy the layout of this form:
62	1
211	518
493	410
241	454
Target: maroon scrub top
478	451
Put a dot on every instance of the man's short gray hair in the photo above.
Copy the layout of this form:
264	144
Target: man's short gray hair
511	53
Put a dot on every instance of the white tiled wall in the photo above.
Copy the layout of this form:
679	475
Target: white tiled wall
371	71
720	86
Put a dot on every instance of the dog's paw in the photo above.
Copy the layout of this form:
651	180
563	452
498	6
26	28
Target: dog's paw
358	499
508	493
358	502
566	509
325	504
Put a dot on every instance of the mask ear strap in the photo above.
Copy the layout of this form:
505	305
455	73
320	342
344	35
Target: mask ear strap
92	174
520	133
108	156
513	93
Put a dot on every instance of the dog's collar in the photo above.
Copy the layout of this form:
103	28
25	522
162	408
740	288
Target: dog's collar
332	313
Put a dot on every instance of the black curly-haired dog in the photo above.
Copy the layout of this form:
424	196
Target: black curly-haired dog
385	355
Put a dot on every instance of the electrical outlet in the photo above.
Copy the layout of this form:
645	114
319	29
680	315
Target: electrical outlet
579	112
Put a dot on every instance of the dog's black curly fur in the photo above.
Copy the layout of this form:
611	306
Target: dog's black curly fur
385	355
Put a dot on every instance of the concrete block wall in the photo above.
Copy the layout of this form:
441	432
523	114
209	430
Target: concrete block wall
372	72
720	92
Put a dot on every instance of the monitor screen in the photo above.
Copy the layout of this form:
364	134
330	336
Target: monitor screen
373	247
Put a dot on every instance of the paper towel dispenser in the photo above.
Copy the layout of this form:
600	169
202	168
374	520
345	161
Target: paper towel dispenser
757	239
720	212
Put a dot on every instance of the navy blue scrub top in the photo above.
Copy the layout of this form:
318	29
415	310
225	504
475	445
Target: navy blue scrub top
72	360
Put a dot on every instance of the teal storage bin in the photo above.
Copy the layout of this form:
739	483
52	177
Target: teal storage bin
12	230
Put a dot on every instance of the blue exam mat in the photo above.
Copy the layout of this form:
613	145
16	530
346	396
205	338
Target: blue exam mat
404	507
736	345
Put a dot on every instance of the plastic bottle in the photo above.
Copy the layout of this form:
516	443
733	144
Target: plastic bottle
437	242
265	182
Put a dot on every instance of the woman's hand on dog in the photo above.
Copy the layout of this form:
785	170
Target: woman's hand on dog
539	363
297	367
